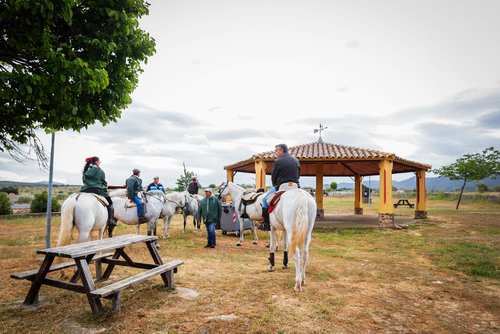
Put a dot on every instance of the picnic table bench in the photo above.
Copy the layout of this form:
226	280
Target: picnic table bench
87	252
404	202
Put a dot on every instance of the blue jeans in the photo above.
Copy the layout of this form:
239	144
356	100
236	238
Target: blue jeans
210	233
138	201
264	200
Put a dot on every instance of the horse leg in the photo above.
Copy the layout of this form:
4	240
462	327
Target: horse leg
305	256
194	223
138	228
285	251
168	226
151	229
184	215
242	221
272	236
254	231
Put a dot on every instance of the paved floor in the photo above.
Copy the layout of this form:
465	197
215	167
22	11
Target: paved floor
352	220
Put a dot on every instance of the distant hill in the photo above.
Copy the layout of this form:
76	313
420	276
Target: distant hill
29	184
431	183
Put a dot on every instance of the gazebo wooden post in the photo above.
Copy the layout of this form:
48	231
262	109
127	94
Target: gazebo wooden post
386	207
320	214
260	174
421	211
230	177
358	189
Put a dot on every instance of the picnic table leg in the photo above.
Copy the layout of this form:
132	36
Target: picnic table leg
76	276
167	279
110	267
38	281
88	284
115	302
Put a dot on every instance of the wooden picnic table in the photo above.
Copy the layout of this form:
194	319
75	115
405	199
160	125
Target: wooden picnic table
85	253
404	202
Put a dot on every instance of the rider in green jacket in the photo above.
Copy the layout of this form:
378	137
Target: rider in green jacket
94	181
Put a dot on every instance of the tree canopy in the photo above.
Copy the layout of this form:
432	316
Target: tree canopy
67	64
472	167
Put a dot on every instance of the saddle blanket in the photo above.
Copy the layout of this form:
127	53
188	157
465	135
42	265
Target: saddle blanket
99	198
274	198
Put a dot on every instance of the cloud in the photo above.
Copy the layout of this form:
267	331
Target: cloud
343	89
354	44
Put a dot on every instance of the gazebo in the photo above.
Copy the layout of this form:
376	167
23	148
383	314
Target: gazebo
322	159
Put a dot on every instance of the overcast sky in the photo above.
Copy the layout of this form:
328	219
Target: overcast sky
232	78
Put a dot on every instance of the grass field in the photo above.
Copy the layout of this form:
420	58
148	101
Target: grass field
442	275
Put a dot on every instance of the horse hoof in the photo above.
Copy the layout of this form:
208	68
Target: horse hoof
158	246
297	288
238	244
285	266
270	268
183	232
255	242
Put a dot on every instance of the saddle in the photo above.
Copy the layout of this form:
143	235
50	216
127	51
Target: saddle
250	196
130	203
99	198
274	198
196	198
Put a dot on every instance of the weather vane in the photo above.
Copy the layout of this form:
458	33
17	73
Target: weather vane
321	128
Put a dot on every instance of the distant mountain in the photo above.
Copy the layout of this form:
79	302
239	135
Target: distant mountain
29	184
431	183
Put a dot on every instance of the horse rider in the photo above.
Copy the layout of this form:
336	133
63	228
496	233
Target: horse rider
94	181
134	187
211	211
286	169
155	185
194	186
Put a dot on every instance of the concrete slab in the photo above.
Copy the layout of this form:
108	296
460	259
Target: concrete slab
355	221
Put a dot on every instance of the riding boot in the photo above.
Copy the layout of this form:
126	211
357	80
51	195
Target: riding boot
111	215
266	224
142	220
212	245
207	245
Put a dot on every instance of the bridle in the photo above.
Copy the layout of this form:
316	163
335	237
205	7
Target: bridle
222	188
183	207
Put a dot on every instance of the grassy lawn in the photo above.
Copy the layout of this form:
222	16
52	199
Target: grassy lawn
442	275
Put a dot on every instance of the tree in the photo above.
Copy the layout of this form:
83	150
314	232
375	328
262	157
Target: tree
183	180
496	188
5	208
482	187
10	190
333	186
66	65
472	167
39	203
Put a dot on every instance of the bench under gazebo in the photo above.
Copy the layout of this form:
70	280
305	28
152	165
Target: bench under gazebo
322	159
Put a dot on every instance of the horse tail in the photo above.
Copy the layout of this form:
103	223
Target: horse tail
300	226
67	218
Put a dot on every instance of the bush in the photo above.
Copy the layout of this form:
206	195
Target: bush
5	208
10	190
39	203
482	187
496	188
25	199
61	197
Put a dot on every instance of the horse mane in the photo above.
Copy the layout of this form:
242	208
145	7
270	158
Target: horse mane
175	196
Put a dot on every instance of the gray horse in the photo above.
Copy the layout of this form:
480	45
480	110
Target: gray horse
191	208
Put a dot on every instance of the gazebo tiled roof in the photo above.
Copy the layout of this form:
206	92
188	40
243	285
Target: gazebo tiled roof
338	160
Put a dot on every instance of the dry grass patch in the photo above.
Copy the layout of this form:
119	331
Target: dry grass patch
439	276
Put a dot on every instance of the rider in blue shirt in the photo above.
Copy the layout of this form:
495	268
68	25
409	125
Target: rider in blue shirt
155	185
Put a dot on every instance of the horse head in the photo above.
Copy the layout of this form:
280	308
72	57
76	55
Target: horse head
223	189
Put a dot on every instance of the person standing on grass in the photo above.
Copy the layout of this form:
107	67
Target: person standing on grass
211	211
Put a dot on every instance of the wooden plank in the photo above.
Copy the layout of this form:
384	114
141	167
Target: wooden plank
96	246
28	275
126	264
128	282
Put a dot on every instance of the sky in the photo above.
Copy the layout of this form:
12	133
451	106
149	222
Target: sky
232	78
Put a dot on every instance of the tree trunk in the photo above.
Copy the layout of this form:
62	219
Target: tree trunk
461	192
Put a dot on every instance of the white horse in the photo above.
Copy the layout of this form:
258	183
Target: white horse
191	208
85	212
294	214
128	215
173	201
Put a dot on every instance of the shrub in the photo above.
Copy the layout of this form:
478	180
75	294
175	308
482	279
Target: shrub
496	188
482	187
61	197
5	208
39	203
25	199
10	190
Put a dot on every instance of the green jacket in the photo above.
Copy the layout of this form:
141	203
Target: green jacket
134	186
210	208
94	177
